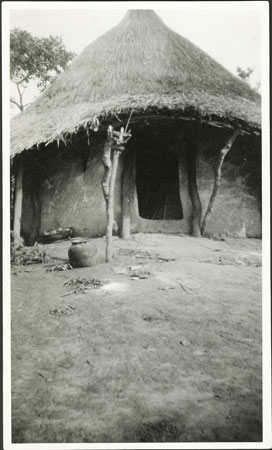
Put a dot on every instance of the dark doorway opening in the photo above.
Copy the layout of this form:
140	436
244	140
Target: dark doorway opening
157	183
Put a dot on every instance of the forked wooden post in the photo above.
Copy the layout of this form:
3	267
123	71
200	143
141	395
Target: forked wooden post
110	206
18	202
107	187
184	195
217	177
126	194
114	145
192	185
106	160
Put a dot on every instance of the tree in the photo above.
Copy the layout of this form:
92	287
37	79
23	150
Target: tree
244	74
35	59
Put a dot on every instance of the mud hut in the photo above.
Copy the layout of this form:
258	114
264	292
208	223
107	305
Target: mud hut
186	109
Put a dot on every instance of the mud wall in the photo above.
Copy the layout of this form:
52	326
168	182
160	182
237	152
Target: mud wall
74	198
27	208
155	138
139	224
236	212
68	183
237	207
71	196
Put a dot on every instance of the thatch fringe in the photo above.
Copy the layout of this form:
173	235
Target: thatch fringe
199	105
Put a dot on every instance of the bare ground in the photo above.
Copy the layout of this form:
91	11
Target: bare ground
175	356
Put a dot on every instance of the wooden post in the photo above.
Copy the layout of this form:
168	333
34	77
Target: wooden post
184	193
18	202
134	204
192	184
126	197
106	160
217	177
107	189
36	205
110	208
115	144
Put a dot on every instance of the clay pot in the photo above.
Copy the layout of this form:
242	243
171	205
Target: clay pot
82	253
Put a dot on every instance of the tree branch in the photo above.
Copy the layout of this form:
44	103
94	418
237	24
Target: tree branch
22	80
217	178
15	103
20	97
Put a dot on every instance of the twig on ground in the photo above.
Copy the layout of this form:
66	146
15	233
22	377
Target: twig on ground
184	288
42	376
76	291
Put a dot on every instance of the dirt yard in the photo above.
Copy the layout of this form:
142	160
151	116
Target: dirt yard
167	350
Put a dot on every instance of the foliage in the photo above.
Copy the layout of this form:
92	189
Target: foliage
34	58
244	74
59	268
21	255
82	284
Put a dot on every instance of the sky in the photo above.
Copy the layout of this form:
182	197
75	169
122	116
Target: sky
231	35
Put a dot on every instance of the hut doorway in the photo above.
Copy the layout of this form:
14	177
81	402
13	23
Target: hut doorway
157	183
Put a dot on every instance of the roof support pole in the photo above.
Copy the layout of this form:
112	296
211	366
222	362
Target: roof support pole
106	160
36	205
184	195
110	206
192	185
114	145
18	202
126	196
217	177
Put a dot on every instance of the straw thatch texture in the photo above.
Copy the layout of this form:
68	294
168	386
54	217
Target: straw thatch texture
139	64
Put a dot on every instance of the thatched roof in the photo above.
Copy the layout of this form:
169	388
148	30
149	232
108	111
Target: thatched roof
139	64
